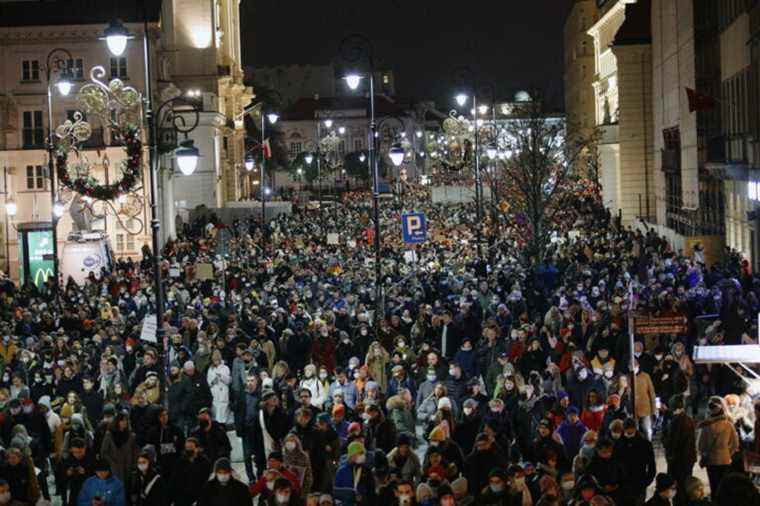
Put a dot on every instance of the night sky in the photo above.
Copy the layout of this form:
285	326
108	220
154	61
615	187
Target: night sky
513	43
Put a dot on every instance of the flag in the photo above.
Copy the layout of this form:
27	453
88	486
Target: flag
699	101
266	148
254	110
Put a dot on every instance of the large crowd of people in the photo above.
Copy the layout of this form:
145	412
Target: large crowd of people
476	379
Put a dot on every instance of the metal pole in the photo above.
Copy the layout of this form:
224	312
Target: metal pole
631	331
319	178
375	193
52	174
7	225
261	187
478	189
155	224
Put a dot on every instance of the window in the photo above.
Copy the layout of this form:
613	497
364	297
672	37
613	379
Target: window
34	131
342	148
386	79
130	242
295	149
30	70
119	68
358	145
35	177
753	190
120	242
76	67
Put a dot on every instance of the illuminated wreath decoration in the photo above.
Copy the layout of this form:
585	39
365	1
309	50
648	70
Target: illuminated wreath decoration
117	106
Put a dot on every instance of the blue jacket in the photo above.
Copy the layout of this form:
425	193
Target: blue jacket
572	436
344	490
110	490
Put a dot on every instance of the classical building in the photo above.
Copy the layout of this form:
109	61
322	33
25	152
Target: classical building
686	56
622	87
580	105
195	49
293	82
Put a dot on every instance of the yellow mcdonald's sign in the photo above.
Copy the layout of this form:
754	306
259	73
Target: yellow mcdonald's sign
42	273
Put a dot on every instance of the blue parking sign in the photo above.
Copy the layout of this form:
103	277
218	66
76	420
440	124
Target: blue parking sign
414	228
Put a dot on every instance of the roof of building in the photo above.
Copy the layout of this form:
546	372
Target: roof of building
305	108
637	27
75	12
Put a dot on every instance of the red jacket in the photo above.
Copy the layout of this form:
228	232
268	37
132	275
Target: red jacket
260	487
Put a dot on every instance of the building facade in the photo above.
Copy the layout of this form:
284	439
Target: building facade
580	105
195	48
622	87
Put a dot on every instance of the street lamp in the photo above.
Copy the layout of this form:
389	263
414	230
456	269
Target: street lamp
418	133
341	130
308	158
354	48
491	151
58	209
116	37
362	158
353	81
57	61
249	163
396	154
461	99
11	208
328	123
273	117
187	157
483	109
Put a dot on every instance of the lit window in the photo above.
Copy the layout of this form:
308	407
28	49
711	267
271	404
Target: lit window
753	190
386	79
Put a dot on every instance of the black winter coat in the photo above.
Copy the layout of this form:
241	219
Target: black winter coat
148	490
637	456
190	476
214	442
233	493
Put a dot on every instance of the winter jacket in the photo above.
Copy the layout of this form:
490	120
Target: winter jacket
718	441
645	395
350	491
400	415
479	463
572	436
122	458
214	442
72	484
110	490
232	493
169	443
381	434
189	477
410	468
637	456
148	490
680	441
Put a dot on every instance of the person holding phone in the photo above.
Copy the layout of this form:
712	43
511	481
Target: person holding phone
103	489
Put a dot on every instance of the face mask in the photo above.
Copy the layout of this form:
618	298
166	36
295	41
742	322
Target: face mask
361	459
616	435
467	411
466	348
142	467
401	344
223	477
658	357
582	374
282	498
270	485
608	373
290	446
496	489
28	409
568	485
452	372
5	498
404	499
323	375
430	377
635	370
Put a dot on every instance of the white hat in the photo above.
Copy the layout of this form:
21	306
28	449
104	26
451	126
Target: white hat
444	403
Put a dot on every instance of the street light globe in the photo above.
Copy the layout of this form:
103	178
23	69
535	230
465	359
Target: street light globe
273	117
299	171
461	99
328	123
249	163
308	158
187	157
396	154
267	191
342	130
353	80
58	209
482	109
418	133
116	37
11	209
64	86
362	158
491	151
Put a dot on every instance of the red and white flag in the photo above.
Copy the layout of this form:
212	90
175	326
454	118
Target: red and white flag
267	148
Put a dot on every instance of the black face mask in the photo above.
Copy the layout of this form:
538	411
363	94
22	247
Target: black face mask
204	423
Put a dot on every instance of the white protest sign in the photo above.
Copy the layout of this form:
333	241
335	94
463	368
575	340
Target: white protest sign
149	328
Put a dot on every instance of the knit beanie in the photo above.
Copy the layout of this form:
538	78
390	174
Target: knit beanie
355	448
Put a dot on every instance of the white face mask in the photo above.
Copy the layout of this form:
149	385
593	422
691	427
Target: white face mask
361	459
430	377
282	498
270	485
223	477
582	374
467	411
290	446
635	370
568	485
323	375
142	467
